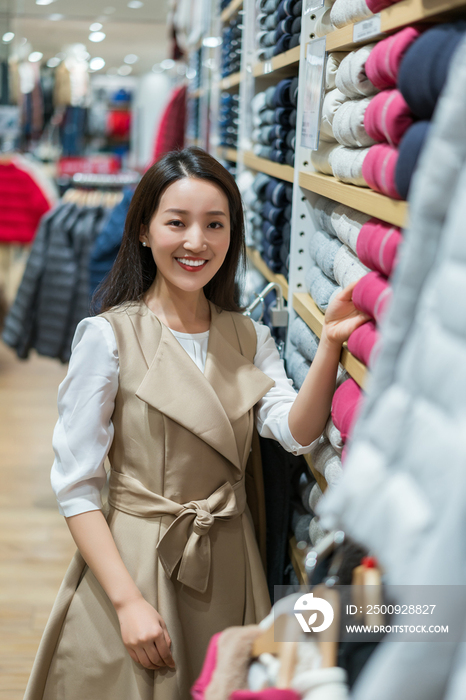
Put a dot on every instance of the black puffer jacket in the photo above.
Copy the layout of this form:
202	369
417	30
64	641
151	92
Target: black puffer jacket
53	296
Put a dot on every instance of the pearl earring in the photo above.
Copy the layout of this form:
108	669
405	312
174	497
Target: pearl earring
144	244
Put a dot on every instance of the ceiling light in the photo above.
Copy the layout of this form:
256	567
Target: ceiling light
211	42
96	36
53	62
135	4
44	2
35	56
131	58
124	70
96	27
7	37
167	64
56	17
96	63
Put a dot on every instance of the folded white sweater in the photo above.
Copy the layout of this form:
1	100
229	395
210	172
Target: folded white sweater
351	78
347	11
333	100
346	164
348	123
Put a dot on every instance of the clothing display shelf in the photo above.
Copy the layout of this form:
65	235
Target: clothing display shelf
308	184
255	258
231	81
229	154
395	17
231	10
278	65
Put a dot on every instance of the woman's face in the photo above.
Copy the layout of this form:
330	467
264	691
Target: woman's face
189	234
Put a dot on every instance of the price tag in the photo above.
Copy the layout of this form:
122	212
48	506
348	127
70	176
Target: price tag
366	29
313	93
267	67
312	6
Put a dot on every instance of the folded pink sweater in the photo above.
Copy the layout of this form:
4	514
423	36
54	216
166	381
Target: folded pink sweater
387	117
210	660
361	342
345	406
378	169
266	694
383	63
372	294
378	5
377	244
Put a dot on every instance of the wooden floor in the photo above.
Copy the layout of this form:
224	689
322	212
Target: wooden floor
35	544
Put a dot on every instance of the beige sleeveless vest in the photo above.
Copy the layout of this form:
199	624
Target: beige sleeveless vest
178	513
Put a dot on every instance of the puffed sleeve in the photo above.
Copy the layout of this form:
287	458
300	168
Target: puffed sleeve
273	409
84	430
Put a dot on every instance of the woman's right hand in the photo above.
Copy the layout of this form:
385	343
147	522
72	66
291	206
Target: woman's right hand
145	634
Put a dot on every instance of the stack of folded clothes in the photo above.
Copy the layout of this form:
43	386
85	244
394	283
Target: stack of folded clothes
274	119
339	13
268	216
231	46
377	118
278	27
229	120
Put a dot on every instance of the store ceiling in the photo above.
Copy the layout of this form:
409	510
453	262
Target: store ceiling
50	28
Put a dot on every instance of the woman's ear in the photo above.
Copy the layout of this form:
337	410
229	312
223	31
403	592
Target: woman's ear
143	234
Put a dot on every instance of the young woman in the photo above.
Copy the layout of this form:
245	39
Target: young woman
168	381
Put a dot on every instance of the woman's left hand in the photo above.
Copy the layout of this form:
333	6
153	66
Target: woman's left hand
342	317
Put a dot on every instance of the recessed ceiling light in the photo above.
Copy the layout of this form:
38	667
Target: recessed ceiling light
44	2
53	62
131	58
96	27
96	37
35	56
56	17
167	64
211	42
135	4
7	37
124	70
96	63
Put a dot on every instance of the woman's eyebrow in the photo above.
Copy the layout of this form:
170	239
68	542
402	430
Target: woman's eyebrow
185	211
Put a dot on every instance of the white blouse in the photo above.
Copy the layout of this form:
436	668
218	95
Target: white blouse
86	399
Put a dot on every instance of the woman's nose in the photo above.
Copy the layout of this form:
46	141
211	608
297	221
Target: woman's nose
195	239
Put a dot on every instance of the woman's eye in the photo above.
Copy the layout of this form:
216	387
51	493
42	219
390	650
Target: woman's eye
176	222
216	224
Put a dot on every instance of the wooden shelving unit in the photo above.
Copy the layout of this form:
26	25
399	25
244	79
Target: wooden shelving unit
227	153
394	17
392	210
318	476
196	93
255	257
230	10
285	63
283	172
306	308
297	559
230	81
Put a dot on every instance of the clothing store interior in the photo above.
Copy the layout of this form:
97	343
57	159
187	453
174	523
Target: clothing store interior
302	445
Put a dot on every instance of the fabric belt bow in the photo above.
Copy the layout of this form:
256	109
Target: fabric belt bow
193	548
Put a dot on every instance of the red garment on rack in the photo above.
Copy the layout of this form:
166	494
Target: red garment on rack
118	123
22	204
170	134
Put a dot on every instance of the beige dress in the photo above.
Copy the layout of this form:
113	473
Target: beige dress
177	511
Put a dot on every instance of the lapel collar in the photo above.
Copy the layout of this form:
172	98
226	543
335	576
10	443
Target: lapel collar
174	385
205	404
238	384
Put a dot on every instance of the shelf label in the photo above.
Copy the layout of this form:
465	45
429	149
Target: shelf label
267	67
367	28
313	93
312	6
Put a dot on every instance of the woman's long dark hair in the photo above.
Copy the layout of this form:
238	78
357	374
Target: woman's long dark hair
134	269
